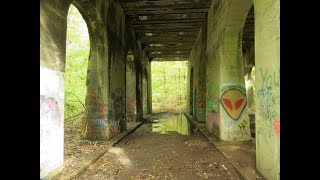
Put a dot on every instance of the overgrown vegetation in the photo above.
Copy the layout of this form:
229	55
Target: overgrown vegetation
169	80
78	47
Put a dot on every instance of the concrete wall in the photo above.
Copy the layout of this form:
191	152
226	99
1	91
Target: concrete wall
198	63
145	88
110	40
131	103
53	25
218	48
226	101
267	53
118	48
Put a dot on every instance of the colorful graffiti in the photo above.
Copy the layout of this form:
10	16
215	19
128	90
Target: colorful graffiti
117	110
49	106
212	106
276	125
270	79
233	102
132	111
201	98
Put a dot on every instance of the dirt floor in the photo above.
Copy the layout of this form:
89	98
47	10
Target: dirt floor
76	148
146	154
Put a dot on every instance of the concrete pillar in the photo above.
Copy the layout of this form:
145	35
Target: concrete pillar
95	122
53	26
267	53
139	101
145	86
234	120
227	115
131	104
117	95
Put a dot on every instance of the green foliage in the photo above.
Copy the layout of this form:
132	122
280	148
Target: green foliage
169	80
78	47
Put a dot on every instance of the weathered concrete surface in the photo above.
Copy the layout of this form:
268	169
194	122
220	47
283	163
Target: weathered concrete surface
131	103
94	124
267	53
198	63
51	121
226	99
110	39
53	25
117	67
224	94
146	66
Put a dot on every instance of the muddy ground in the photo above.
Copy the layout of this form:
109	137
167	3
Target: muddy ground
145	154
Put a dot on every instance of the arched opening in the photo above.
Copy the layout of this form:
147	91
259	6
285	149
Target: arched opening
249	66
77	56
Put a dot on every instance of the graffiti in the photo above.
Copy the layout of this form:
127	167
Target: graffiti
242	125
269	80
212	106
102	108
132	112
233	102
117	109
237	134
98	122
201	98
276	126
49	106
92	97
228	122
264	92
266	103
213	121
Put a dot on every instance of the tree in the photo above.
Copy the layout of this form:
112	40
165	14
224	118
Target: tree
77	46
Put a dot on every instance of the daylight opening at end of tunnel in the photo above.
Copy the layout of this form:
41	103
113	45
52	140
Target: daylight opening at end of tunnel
169	79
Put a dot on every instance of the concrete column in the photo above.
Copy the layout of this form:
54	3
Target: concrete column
139	88
131	104
145	87
234	120
95	123
267	97
117	94
53	26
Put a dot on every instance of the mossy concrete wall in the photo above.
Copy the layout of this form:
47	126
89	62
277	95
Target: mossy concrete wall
267	53
110	39
198	63
131	103
219	45
95	123
226	100
118	48
145	87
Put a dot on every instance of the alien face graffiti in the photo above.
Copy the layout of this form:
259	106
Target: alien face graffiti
233	102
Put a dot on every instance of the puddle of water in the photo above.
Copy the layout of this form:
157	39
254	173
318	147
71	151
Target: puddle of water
178	123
